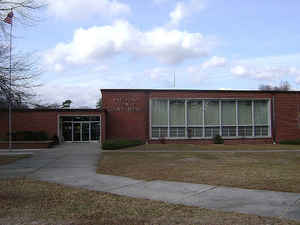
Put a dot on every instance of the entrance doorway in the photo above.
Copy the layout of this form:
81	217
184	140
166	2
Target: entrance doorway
80	128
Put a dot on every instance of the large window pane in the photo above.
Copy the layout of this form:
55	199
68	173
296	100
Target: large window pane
261	112
228	113
177	131
245	112
158	132
159	113
195	112
212	131
177	113
211	112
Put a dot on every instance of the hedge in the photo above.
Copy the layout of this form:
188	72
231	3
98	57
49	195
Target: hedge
120	143
290	142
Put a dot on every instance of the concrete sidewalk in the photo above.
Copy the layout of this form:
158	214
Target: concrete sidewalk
75	165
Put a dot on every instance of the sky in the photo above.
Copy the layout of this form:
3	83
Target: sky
85	46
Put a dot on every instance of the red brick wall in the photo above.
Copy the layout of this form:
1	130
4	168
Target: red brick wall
127	114
287	114
33	120
123	122
30	121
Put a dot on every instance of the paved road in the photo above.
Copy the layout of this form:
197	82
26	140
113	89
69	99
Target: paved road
75	165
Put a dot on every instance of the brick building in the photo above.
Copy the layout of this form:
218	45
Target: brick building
181	116
195	116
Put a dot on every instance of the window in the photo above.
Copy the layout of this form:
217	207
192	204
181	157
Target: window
245	113
211	112
159	112
228	113
205	118
228	118
195	118
195	113
159	118
261	118
177	113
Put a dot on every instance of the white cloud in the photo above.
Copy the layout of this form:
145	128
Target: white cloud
239	70
103	42
184	9
58	68
158	2
264	73
214	62
159	73
78	9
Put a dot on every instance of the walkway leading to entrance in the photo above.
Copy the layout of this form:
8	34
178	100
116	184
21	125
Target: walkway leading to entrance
75	165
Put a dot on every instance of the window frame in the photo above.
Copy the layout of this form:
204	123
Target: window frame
220	126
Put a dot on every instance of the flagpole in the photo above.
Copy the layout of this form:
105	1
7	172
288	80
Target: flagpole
10	91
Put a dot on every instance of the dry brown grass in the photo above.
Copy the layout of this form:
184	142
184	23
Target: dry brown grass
6	159
266	171
33	202
192	147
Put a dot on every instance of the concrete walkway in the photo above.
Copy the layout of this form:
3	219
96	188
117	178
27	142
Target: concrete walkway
75	165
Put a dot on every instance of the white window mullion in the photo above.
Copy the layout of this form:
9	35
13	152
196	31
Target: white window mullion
269	117
169	118
237	117
220	118
203	118
72	131
185	118
253	134
150	119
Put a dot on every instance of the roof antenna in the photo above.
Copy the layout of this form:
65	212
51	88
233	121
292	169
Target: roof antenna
174	79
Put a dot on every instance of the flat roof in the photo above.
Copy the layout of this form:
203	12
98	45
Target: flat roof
56	110
195	90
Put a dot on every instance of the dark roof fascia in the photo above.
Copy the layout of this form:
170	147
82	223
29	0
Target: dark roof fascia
194	90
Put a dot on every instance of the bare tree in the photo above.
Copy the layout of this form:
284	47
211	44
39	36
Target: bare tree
24	68
24	73
283	86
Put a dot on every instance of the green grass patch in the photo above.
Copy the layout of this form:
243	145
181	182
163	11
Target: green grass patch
119	144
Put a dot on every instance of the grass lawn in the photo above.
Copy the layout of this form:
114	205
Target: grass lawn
275	171
6	159
191	147
33	202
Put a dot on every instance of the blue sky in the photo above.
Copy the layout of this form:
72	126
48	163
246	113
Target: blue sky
84	46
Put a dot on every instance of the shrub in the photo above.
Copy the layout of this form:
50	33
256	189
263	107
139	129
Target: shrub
218	139
290	142
121	143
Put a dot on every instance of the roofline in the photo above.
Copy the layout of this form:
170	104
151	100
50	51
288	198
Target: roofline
55	110
195	90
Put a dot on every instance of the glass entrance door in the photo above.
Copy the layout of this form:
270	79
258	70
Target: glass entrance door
80	128
95	131
85	131
76	132
67	131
